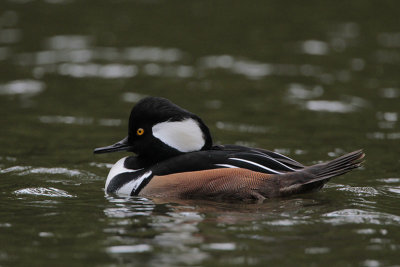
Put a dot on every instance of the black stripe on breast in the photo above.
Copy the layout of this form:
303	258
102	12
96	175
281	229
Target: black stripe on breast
121	179
142	185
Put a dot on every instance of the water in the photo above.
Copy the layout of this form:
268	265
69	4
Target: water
310	80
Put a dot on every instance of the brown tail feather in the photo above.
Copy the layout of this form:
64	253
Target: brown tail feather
314	177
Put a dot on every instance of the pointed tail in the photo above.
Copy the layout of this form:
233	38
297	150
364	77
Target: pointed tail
314	177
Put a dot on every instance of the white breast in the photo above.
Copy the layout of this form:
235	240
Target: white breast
118	168
133	185
185	135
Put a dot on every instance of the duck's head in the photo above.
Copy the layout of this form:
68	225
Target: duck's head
159	129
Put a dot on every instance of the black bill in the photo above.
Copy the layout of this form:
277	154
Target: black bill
120	146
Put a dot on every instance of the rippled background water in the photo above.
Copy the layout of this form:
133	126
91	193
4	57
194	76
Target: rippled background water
312	80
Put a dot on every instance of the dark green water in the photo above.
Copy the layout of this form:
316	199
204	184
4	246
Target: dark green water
312	80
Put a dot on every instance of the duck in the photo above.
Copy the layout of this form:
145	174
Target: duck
175	158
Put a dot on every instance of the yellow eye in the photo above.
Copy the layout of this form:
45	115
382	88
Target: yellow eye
140	131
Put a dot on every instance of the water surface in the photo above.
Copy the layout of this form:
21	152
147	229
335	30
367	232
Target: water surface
310	80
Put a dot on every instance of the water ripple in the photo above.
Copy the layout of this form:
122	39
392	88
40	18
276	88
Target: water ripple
389	39
10	36
383	136
79	120
22	87
101	165
75	56
130	249
15	169
395	189
61	42
286	222
241	127
315	47
28	170
220	246
66	120
390	92
357	216
43	191
132	97
107	71
360	191
128	207
317	250
64	171
124	212
329	106
299	91
305	97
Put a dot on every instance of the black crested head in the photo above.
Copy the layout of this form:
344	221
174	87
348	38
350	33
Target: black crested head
156	109
159	129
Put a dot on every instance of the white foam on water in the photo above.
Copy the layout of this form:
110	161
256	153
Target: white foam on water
43	191
130	249
222	246
358	216
22	87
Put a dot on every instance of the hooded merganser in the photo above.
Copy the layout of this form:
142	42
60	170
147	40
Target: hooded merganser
176	159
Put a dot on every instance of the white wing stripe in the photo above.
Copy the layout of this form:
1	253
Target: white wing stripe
256	164
283	156
226	165
274	160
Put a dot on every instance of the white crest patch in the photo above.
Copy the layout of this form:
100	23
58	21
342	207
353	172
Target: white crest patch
117	169
185	136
